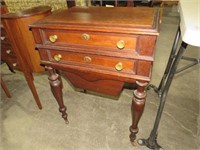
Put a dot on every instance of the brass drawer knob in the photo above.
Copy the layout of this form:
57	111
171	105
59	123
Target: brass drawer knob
120	44
14	64
8	51
57	57
3	38
87	59
119	66
53	38
85	36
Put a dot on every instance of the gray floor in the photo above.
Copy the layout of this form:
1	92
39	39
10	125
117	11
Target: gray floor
102	123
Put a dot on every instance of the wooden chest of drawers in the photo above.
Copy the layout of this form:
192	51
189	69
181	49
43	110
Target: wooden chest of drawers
99	49
7	53
17	43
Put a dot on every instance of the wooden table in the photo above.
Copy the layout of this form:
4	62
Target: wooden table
189	32
99	49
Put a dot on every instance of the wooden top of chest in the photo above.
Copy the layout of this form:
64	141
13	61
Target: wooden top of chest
38	10
107	19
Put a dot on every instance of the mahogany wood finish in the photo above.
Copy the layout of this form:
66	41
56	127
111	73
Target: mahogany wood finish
5	48
3	8
137	107
3	85
22	55
56	88
5	43
99	49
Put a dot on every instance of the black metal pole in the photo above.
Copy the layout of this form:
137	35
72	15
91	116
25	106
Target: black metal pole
151	142
170	61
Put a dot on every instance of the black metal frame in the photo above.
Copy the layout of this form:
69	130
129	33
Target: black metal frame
164	86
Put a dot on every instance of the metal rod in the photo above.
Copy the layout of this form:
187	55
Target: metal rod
186	67
170	61
191	59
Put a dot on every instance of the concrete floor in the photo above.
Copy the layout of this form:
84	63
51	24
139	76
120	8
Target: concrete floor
102	123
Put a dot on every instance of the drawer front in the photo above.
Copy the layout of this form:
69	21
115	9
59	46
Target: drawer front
12	62
93	61
114	41
8	56
4	37
6	50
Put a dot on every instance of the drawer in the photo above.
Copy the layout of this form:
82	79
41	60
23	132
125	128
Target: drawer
94	39
92	61
6	50
12	62
4	37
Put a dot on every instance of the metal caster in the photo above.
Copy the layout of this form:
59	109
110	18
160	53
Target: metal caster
152	145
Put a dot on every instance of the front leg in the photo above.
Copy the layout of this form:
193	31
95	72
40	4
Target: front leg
137	108
56	88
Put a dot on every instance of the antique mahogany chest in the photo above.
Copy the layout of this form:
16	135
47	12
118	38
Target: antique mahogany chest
99	49
18	46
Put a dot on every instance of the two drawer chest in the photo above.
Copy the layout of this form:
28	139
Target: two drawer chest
99	49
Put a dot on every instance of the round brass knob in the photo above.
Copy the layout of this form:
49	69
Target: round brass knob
119	66
53	38
85	36
120	44
57	57
87	59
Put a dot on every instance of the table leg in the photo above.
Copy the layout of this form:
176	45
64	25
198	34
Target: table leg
137	108
3	85
151	142
29	79
56	88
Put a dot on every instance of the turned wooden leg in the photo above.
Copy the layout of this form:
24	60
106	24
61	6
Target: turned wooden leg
137	108
56	88
58	72
29	79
